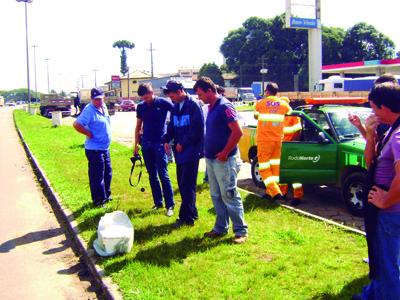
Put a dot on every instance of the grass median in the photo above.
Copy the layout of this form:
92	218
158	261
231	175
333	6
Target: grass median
287	256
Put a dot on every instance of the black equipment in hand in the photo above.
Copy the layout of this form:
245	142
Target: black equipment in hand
134	159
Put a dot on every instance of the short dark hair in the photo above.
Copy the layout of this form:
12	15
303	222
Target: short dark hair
272	88
386	94
205	83
144	88
387	77
220	89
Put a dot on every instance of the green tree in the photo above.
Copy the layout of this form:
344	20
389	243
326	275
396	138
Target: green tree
122	45
213	71
263	43
364	42
332	41
266	43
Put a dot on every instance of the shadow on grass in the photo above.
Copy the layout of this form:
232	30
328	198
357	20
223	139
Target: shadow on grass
164	254
353	287
252	202
139	213
77	146
151	232
79	212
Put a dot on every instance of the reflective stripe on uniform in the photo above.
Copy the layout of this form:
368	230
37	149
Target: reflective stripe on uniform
271	179
289	111
271	117
297	185
275	162
292	129
264	165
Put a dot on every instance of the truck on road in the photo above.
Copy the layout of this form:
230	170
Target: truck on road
239	94
110	99
55	102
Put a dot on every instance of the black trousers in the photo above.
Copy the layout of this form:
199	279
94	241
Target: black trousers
187	178
100	174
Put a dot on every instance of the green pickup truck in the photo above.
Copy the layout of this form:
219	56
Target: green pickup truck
329	151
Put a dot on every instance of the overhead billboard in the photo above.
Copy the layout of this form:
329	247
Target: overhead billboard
115	82
302	14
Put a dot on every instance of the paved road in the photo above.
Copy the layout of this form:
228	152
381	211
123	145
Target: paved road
36	260
321	201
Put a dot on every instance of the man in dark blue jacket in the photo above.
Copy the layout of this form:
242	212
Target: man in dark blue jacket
186	130
150	128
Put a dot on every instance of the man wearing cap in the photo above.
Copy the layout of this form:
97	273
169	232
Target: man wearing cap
186	130
94	123
151	121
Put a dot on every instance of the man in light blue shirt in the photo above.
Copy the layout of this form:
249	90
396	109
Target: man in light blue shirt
94	123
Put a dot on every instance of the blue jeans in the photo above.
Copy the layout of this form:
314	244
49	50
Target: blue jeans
156	163
100	174
225	197
386	283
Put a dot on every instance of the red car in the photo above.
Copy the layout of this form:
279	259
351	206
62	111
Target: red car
127	105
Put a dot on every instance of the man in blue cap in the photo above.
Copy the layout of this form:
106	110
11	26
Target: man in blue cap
150	127
94	123
186	130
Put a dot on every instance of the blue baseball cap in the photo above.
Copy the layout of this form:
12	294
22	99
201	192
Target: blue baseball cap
96	93
172	86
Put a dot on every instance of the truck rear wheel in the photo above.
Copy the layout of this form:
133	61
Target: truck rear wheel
255	174
354	186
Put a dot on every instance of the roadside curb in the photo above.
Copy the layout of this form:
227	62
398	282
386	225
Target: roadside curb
312	216
110	290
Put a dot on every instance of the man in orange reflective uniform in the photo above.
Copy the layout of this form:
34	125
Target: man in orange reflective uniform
270	113
292	130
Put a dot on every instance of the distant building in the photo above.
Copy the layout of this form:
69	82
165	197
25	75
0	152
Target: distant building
133	78
192	73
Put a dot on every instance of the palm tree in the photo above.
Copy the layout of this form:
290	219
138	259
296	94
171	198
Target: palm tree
122	45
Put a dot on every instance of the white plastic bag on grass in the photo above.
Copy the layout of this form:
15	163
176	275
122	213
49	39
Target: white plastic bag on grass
114	234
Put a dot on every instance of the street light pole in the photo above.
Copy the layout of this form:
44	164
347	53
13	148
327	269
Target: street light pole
263	71
48	77
34	59
95	77
27	50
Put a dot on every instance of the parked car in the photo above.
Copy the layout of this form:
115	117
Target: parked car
127	105
10	103
330	151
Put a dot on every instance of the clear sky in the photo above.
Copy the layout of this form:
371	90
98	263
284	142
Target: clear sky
77	35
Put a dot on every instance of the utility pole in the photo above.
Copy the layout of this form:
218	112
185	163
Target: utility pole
34	60
128	83
95	77
151	59
82	84
48	77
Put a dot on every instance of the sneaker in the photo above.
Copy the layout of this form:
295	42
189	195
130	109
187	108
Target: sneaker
295	202
366	260
155	207
239	239
213	234
170	212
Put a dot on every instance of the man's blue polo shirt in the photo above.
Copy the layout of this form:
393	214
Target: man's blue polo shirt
154	116
217	130
98	124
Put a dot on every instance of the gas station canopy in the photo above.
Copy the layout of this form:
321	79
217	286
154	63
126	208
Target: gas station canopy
373	67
